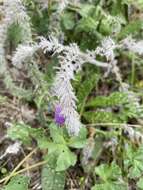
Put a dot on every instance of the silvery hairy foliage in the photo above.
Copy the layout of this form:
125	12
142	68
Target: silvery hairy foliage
22	54
71	60
107	50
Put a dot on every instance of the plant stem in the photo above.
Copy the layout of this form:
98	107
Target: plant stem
112	124
18	166
23	170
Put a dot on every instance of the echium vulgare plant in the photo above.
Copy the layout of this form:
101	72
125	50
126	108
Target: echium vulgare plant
71	95
71	60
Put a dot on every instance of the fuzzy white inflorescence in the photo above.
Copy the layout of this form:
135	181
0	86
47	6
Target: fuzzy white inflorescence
107	49
14	13
71	60
133	45
23	53
70	63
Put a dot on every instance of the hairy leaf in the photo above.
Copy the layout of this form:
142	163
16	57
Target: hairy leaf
114	99
101	117
19	182
52	179
133	161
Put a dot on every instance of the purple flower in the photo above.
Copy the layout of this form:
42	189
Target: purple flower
59	118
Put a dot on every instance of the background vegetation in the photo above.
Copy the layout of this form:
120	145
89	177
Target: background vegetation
107	154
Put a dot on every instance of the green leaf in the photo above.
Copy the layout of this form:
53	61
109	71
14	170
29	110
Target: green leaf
68	20
80	140
85	9
54	148
109	186
131	28
127	108
105	27
40	137
98	147
62	156
52	179
111	175
138	3
85	89
40	21
25	133
135	171
65	160
133	161
101	117
57	134
87	24
14	34
106	172
17	183
140	183
114	99
19	132
59	148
